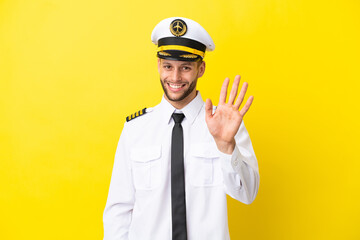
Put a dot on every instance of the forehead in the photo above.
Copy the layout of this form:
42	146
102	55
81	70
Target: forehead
177	63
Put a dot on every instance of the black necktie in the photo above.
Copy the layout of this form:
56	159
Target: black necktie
178	204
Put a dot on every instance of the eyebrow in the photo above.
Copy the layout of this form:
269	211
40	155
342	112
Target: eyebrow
187	64
183	64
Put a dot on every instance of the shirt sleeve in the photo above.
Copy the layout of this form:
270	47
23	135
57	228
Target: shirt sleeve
118	210
240	169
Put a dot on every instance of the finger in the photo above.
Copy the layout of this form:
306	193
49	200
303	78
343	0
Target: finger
241	96
223	92
234	89
246	106
208	108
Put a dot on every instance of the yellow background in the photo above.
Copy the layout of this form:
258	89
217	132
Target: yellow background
71	71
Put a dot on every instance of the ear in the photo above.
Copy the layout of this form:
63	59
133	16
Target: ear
159	62
201	69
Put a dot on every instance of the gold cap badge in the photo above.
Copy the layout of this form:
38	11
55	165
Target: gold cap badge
178	27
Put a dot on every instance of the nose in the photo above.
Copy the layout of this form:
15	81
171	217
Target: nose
176	76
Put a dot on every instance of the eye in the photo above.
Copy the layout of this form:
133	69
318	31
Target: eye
186	68
167	67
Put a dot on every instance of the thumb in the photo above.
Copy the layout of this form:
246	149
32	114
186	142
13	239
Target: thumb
208	108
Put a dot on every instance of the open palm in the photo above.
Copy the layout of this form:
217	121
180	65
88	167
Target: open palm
226	120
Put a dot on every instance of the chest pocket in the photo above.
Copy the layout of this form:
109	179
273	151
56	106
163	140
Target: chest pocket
146	167
205	165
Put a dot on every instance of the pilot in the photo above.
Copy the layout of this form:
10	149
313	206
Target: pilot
176	162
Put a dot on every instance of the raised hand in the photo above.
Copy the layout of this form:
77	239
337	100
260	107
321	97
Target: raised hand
225	122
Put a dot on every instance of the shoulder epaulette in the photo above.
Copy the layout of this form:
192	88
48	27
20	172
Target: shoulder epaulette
135	115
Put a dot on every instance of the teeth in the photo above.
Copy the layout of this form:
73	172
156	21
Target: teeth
175	86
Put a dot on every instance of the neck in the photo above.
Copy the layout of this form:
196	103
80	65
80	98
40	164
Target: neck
181	104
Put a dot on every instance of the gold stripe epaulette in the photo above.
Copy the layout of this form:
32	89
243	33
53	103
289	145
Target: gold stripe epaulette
135	115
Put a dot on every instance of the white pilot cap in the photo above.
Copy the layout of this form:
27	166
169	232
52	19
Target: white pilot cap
181	39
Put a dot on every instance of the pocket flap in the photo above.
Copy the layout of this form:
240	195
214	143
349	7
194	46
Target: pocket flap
205	150
145	154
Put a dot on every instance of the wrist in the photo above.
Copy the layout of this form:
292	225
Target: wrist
226	147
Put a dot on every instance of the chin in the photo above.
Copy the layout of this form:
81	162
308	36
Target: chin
181	95
176	97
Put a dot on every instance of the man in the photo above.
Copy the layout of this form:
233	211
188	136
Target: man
176	162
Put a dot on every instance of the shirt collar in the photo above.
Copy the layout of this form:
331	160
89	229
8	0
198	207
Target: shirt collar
190	111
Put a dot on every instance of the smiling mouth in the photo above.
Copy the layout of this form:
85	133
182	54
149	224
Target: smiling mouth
176	87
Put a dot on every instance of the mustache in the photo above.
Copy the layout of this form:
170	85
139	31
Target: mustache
172	82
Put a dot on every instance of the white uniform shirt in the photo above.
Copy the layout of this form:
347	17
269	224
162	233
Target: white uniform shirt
139	201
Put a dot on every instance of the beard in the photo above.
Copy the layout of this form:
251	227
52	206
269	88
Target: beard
181	97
